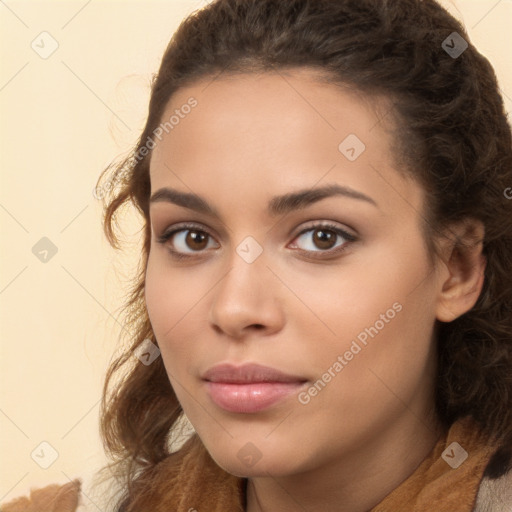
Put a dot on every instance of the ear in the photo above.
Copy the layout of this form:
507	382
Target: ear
462	278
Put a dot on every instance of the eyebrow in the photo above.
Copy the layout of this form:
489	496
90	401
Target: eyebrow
278	205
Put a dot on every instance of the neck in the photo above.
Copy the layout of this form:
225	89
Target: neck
355	481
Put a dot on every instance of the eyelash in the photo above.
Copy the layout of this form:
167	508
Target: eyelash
325	226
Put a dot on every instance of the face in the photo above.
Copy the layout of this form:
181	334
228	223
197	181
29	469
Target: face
333	289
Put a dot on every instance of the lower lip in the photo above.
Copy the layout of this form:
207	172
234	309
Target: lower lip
247	398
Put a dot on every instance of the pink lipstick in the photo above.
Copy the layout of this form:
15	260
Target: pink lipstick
249	388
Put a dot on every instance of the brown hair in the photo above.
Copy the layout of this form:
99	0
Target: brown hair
452	137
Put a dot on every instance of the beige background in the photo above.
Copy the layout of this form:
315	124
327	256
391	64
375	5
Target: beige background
64	118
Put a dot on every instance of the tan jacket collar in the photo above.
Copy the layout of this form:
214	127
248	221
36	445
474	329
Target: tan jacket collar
438	484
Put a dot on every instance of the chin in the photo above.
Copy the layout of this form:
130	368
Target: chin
241	465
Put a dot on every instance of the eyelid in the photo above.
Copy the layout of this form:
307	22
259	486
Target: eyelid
182	226
327	225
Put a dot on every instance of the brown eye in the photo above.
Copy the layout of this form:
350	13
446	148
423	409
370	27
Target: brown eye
196	240
323	239
186	240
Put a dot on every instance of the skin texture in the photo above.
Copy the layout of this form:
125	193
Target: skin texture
372	424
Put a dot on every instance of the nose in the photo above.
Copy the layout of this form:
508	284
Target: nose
247	300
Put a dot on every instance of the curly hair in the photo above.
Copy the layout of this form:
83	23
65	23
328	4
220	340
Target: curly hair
452	137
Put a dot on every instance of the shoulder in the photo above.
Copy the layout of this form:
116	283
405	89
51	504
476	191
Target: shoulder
495	490
495	494
52	498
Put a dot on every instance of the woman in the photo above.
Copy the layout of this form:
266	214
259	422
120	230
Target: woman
325	289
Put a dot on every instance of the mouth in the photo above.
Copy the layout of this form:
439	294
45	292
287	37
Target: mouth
249	388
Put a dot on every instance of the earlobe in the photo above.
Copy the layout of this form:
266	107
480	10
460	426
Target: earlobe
462	284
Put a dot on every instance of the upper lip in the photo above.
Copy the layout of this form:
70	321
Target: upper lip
247	373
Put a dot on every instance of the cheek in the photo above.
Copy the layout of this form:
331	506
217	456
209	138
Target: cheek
170	293
173	302
367	285
175	299
384	295
160	301
383	316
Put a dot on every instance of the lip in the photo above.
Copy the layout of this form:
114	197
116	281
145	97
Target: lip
247	373
249	388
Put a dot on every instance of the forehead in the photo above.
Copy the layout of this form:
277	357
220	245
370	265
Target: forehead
299	101
282	129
